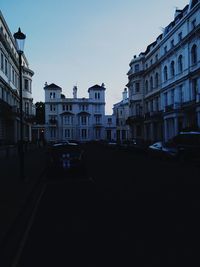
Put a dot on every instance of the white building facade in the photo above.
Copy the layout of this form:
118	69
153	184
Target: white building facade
121	112
81	119
9	89
169	76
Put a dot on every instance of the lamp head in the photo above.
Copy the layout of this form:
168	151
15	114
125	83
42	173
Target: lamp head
20	40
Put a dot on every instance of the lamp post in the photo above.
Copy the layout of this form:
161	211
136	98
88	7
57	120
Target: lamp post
20	40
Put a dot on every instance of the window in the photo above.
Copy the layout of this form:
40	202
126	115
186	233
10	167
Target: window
138	108
172	96
13	76
156	80
53	133
109	120
84	133
52	107
98	119
98	133
26	84
26	107
165	74
156	58
6	67
165	49
194	54
83	120
137	87
180	63
180	36
151	83
165	99
172	43
137	67
194	89
156	104
146	86
193	24
172	69
52	95
67	120
67	133
2	62
181	94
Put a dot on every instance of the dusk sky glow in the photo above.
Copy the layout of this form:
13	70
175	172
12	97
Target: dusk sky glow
86	42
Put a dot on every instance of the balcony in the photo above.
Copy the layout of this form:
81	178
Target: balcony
29	118
169	108
53	121
156	114
134	119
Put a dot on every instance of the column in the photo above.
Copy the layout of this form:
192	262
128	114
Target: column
176	129
198	119
165	130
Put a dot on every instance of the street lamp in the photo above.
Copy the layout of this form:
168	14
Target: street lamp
20	40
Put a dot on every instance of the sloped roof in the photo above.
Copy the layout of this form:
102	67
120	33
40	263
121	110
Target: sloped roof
53	86
96	87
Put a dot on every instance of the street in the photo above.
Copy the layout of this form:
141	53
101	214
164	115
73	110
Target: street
131	211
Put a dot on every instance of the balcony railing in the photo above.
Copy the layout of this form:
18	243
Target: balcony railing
52	121
169	108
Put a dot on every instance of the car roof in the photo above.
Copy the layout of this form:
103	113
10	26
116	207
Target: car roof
190	133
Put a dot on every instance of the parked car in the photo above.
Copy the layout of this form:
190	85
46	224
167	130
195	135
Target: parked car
65	160
162	151
187	145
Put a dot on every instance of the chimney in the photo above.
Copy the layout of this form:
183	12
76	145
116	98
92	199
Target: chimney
75	92
45	84
177	12
125	94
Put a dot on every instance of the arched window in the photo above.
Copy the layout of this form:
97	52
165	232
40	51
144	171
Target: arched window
146	86
172	69
156	80
165	74
194	54
180	63
151	83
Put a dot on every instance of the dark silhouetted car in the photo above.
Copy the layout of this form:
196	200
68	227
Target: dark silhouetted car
65	160
187	145
162	151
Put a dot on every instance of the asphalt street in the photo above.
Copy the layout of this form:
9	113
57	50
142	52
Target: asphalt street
130	211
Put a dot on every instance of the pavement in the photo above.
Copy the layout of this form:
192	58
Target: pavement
15	192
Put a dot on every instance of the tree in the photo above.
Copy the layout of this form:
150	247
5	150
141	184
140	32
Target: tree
40	112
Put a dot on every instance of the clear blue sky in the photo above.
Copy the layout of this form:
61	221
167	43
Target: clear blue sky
85	42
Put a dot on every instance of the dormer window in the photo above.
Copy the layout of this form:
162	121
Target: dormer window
137	67
180	36
193	24
52	95
172	43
